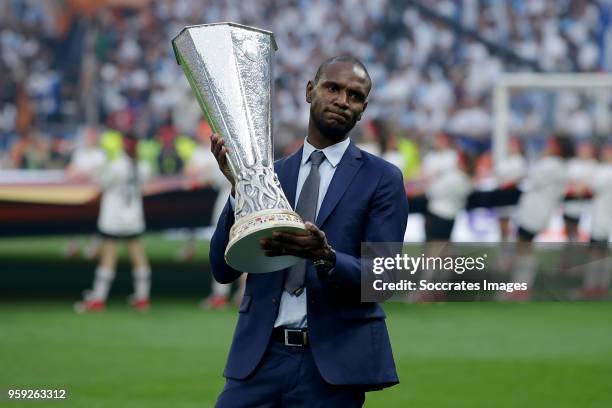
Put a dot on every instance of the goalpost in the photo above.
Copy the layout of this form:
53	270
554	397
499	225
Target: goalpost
597	85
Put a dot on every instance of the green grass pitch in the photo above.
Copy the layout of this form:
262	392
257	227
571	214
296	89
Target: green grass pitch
448	355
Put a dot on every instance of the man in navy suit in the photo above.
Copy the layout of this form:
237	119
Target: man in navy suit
304	338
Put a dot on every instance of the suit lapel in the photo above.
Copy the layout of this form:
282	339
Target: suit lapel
288	175
347	168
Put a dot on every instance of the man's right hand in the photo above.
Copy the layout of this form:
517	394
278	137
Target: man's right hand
219	150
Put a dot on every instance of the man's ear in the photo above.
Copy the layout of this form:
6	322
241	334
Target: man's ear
309	88
365	105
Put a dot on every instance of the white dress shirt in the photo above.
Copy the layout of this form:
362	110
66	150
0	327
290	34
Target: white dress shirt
292	309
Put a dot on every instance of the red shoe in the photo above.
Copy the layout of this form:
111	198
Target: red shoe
141	305
89	306
215	302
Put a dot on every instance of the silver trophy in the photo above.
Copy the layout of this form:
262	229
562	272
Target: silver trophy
229	68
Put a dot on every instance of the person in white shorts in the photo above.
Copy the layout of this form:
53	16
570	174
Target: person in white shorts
580	170
446	187
447	195
121	218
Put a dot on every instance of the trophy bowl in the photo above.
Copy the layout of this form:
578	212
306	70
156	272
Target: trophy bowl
229	69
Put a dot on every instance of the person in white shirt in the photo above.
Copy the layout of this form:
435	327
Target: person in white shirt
87	159
544	188
121	218
580	170
200	170
442	157
601	184
509	171
447	187
86	162
542	195
597	275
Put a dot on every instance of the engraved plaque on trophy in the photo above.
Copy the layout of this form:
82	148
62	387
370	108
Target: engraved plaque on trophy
229	68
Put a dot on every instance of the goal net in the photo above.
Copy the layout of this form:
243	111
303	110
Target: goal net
532	106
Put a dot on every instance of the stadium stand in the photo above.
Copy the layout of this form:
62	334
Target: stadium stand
433	63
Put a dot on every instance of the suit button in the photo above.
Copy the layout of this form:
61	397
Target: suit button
274	300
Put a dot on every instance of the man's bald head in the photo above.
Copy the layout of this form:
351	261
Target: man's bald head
338	96
358	68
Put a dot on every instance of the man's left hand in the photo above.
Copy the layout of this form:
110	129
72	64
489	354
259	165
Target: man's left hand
312	246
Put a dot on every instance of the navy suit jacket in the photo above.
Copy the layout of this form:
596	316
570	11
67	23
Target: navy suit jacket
365	202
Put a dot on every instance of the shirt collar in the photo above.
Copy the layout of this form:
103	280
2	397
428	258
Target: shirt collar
332	153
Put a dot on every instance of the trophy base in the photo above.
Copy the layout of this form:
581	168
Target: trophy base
243	251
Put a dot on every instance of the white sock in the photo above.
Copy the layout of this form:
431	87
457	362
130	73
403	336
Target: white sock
220	289
525	269
142	282
102	282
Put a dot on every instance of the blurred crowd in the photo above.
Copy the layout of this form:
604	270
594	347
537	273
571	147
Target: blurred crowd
109	63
